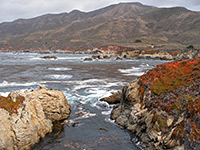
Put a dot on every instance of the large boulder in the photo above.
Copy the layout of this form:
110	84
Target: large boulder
162	107
28	116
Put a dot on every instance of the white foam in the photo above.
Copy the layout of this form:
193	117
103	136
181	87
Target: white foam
101	105
93	83
8	84
58	76
135	71
5	94
35	58
135	74
84	115
60	69
95	92
106	112
107	119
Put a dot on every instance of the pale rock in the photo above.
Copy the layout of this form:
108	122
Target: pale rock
6	133
33	120
170	121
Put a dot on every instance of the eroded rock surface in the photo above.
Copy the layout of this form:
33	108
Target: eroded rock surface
113	99
24	127
162	106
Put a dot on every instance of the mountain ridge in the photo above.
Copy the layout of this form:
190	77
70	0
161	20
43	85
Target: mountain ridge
117	24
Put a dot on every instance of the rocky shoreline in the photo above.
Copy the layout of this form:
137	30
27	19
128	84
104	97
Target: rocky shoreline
162	106
120	52
146	54
28	116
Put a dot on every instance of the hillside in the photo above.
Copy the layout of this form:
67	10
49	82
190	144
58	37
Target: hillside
119	24
162	106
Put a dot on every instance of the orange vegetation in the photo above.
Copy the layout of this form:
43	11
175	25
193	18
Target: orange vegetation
175	88
8	104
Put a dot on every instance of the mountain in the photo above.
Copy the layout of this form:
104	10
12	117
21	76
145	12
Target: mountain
119	24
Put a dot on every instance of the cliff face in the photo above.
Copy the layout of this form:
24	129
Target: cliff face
27	116
162	107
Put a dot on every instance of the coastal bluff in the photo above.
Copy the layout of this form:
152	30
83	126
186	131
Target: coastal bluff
27	116
162	106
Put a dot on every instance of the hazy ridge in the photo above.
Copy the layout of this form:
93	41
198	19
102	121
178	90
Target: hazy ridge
119	24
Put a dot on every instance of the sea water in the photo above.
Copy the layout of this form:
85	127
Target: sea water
83	83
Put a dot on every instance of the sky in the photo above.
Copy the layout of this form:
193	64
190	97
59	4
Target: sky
11	10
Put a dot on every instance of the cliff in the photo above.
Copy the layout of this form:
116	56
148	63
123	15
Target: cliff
25	117
162	107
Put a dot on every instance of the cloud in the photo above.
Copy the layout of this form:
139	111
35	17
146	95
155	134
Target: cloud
14	9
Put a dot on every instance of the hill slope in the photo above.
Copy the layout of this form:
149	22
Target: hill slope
120	24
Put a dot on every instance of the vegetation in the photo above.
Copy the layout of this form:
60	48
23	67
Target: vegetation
190	47
81	30
175	88
138	41
8	104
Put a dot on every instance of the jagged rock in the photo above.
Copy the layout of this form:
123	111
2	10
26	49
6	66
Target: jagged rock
113	99
49	57
161	108
88	59
119	58
33	119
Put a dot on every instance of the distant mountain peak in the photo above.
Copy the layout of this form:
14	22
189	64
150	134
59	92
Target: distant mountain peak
120	24
75	11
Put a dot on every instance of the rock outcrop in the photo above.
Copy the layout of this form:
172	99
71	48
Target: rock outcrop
113	99
162	107
25	117
88	59
49	57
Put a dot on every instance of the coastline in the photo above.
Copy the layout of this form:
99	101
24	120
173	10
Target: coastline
159	118
120	52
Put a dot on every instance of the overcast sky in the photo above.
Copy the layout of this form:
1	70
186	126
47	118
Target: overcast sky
14	9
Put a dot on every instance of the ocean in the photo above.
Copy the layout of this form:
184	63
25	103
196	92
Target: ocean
89	126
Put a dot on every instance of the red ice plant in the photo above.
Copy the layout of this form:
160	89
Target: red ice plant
175	88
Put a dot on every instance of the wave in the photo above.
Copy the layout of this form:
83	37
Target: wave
93	83
136	71
57	76
9	84
60	69
133	71
5	94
